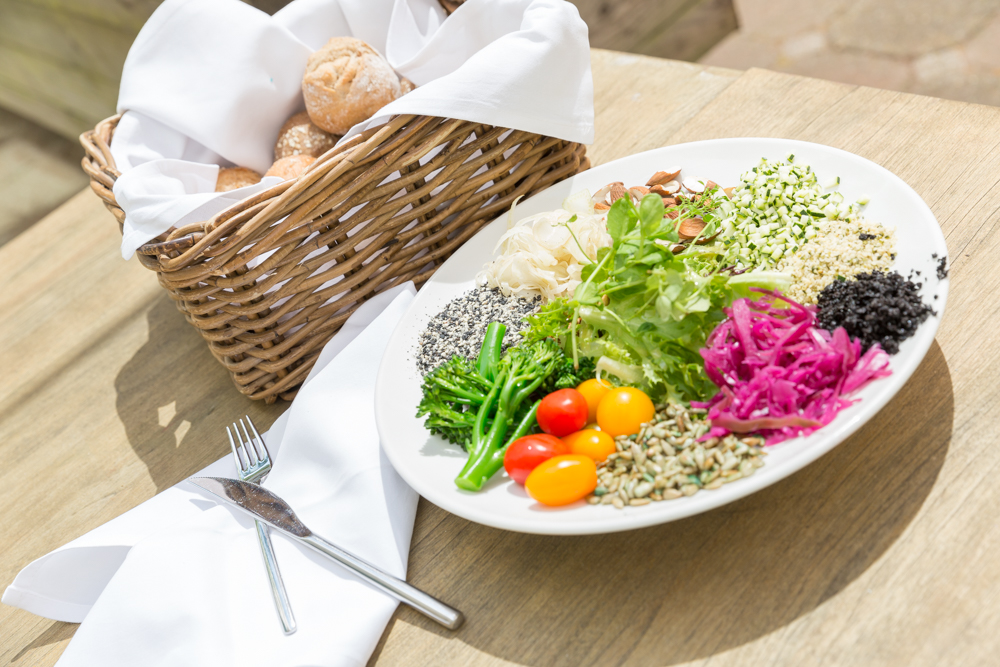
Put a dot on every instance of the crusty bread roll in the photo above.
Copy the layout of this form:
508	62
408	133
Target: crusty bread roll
231	178
405	85
290	167
346	82
299	136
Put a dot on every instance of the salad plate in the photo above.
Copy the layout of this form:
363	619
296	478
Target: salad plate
429	464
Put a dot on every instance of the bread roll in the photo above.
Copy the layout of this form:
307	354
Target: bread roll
232	178
346	82
405	85
299	136
451	5
290	167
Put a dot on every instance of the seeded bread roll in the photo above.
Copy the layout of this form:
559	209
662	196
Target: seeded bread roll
346	82
290	167
299	136
232	178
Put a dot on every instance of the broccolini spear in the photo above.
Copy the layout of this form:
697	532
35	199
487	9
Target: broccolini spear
520	372
475	404
454	391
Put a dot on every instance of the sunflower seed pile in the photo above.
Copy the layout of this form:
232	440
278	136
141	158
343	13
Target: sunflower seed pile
666	461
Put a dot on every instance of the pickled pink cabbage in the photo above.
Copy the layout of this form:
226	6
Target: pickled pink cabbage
778	373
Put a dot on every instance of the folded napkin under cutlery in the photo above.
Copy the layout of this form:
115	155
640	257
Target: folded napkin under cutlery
179	579
264	506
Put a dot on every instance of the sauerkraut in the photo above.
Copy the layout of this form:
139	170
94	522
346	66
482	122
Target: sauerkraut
545	253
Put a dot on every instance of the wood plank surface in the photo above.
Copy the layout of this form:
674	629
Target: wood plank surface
880	553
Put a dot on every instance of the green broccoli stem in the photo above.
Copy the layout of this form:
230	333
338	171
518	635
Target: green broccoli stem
479	431
475	475
458	394
489	353
486	455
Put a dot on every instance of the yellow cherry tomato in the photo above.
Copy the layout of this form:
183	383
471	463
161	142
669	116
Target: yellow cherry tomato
588	442
594	390
562	479
623	411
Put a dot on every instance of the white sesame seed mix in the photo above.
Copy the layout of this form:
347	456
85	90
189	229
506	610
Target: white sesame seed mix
460	327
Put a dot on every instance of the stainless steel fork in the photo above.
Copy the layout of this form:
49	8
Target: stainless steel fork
255	468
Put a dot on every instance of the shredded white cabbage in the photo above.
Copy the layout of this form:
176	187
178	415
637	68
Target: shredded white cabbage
539	256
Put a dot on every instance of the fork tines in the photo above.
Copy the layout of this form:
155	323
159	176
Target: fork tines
250	450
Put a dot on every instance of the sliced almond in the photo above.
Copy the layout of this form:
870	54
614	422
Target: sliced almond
729	191
669	201
690	228
617	191
602	206
638	192
708	239
711	184
673	215
602	194
693	186
668	190
661	177
678	249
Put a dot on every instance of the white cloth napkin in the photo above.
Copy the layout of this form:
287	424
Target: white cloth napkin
210	82
179	580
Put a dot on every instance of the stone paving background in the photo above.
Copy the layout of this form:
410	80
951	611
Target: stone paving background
949	48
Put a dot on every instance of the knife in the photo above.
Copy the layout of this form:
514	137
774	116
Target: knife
272	510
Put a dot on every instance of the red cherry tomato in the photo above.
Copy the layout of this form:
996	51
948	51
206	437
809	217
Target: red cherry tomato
562	412
562	480
524	454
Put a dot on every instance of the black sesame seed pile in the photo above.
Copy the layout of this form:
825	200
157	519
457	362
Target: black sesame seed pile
875	307
461	326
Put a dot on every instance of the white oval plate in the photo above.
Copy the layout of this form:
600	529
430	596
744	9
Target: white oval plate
429	464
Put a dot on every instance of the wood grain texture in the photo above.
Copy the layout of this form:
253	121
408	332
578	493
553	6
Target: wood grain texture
880	553
640	102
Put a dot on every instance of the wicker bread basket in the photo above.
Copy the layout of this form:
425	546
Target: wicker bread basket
255	280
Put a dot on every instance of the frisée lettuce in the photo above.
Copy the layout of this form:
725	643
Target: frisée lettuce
643	311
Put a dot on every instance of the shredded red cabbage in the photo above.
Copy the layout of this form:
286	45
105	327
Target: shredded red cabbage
778	373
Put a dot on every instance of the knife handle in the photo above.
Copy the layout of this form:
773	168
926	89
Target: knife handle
427	605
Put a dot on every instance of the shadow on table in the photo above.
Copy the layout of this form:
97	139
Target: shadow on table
175	399
55	633
697	587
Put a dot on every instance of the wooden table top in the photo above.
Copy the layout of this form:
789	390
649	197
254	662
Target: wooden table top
883	552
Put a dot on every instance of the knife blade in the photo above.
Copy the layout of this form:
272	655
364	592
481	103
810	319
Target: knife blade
275	512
